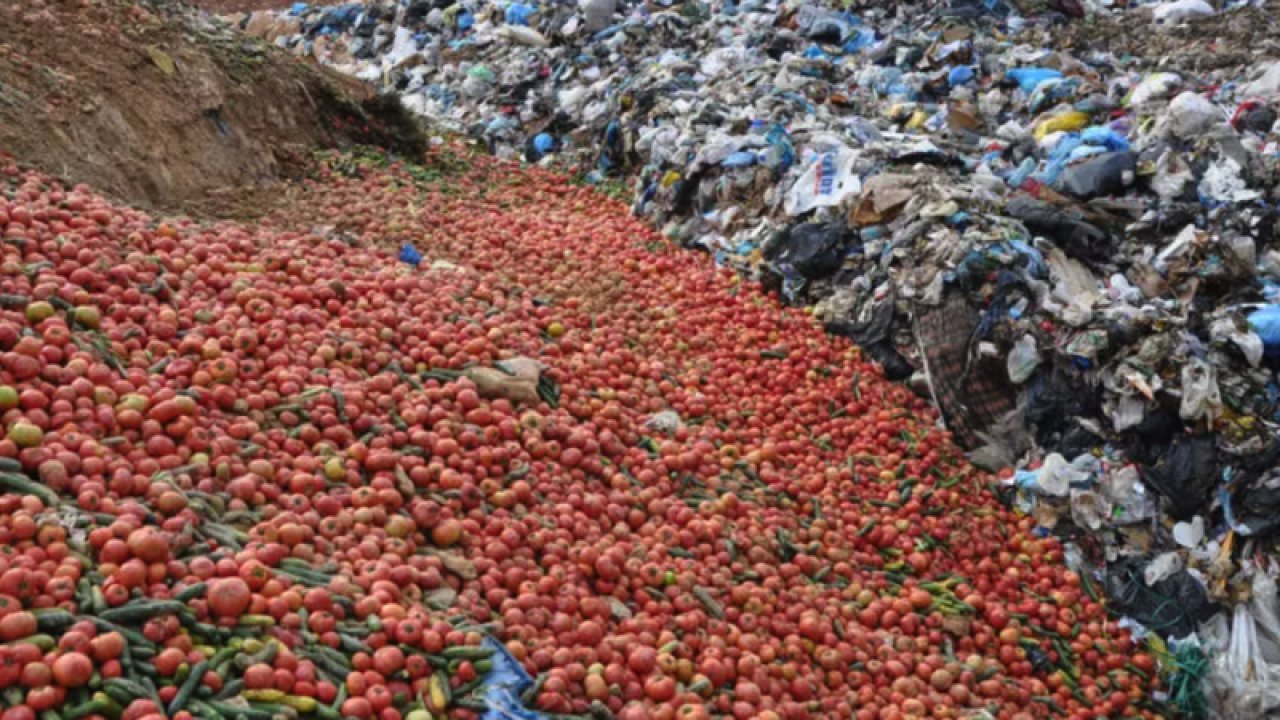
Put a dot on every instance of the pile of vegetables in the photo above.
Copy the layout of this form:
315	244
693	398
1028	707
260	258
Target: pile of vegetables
269	470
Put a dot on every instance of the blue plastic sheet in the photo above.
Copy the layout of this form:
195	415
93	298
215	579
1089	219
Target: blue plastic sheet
503	686
409	254
1106	137
960	75
519	13
1029	78
742	158
864	38
1265	322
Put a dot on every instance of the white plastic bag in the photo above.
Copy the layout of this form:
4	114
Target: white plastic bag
1265	607
1222	182
1056	475
1192	114
1172	175
1267	84
826	182
1201	398
1153	87
1023	359
1172	13
523	35
597	14
1224	330
1244	684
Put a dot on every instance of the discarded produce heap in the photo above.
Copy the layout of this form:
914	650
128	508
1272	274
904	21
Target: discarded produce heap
1056	220
258	470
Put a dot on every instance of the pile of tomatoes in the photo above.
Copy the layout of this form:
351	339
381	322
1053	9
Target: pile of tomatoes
269	470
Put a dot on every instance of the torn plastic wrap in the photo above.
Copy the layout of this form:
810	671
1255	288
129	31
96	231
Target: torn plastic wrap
1185	474
1172	607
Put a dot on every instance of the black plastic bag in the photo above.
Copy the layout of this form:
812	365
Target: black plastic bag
1185	474
1099	175
815	250
1078	238
1054	403
1171	608
1258	509
1145	442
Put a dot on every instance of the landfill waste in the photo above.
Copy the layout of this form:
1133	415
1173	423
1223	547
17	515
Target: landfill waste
1070	249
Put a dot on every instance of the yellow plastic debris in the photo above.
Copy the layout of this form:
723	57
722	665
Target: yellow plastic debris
1062	122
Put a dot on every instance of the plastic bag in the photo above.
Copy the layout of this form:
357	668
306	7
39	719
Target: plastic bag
505	682
1224	330
519	13
1089	510
410	255
1255	509
813	249
1266	323
1153	87
1191	114
1265	608
1267	84
1170	607
1172	175
1172	13
1029	78
1222	182
1185	474
1098	175
826	182
1243	683
597	14
1201	398
1023	359
1130	501
1062	122
1056	475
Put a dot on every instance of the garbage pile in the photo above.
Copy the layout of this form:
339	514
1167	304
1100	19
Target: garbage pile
1072	251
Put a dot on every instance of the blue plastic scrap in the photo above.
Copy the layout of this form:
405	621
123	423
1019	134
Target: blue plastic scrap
1265	321
519	13
503	686
864	38
960	75
1106	137
1029	78
409	254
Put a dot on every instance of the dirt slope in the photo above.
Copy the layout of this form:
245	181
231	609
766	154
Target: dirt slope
159	104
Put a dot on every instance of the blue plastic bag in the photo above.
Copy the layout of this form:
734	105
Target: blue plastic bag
519	13
864	38
1265	322
960	75
409	254
544	143
1106	137
503	686
1029	78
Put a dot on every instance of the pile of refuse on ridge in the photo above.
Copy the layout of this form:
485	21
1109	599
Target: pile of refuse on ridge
1071	250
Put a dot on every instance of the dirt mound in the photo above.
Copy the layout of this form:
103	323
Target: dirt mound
162	105
231	6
